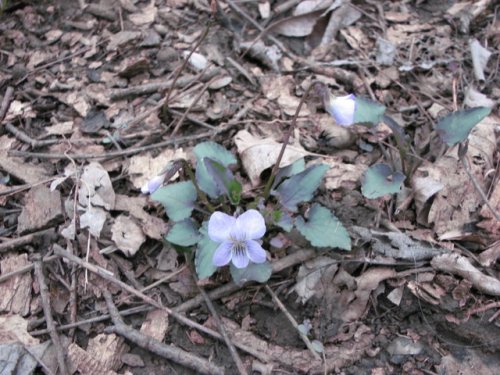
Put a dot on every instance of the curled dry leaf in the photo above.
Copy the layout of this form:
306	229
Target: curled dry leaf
144	167
456	201
96	188
461	266
258	154
127	235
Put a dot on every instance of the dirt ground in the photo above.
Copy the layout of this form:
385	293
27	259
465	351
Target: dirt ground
108	92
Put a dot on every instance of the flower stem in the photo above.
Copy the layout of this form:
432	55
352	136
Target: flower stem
286	139
201	194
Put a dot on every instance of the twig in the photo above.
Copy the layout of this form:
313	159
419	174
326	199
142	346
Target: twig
298	257
293	321
463	158
192	119
286	139
57	61
104	317
22	136
186	61
151	88
113	154
6	102
34	354
170	352
105	274
263	31
156	283
47	311
24	240
193	103
220	325
25	269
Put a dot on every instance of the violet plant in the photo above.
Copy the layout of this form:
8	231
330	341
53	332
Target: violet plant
212	217
382	179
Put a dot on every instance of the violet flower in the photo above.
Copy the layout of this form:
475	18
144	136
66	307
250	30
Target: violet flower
237	238
342	108
153	184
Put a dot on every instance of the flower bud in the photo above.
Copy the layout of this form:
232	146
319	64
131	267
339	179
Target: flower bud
152	185
342	108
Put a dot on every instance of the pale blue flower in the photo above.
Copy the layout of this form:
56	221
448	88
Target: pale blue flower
342	108
237	238
152	185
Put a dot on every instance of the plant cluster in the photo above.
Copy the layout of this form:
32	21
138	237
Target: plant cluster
211	216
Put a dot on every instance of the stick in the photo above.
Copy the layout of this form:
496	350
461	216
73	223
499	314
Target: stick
133	151
289	261
293	321
64	327
170	352
218	321
24	240
151	88
105	274
47	311
6	102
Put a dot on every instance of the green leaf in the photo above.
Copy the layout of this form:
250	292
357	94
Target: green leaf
204	253
323	229
455	127
317	346
178	199
183	233
380	180
368	112
300	187
224	179
290	170
282	219
216	152
260	272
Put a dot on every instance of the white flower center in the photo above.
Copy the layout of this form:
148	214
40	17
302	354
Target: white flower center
239	246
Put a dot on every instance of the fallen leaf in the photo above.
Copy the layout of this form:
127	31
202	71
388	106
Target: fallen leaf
94	219
146	16
144	167
127	235
42	207
15	293
258	154
96	188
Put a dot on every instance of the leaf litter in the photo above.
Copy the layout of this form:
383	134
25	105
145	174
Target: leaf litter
430	259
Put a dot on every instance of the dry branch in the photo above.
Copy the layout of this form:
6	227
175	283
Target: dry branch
166	351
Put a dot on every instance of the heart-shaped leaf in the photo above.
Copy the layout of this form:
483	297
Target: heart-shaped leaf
204	254
178	199
216	152
282	219
323	229
368	112
380	180
224	179
300	187
183	233
455	127
260	272
290	170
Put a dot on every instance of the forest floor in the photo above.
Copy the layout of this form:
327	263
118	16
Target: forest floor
101	95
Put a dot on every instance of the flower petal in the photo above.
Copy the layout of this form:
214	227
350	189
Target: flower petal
255	252
152	185
342	108
240	259
223	254
219	226
252	224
